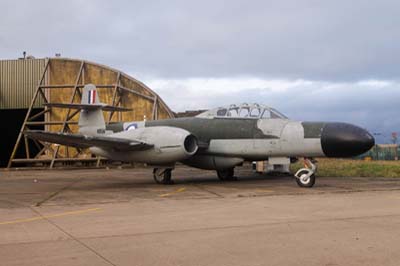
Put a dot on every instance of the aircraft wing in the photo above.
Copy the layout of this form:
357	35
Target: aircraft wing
84	141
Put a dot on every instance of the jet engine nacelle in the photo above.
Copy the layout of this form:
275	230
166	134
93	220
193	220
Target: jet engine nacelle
171	144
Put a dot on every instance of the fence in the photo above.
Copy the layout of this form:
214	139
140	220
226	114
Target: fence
386	152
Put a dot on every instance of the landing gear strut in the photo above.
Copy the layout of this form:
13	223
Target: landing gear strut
305	177
226	174
163	176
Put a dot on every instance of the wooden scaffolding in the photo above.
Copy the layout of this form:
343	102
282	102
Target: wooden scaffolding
62	81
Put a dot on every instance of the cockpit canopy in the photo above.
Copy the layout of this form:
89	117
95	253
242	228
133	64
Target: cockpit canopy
244	110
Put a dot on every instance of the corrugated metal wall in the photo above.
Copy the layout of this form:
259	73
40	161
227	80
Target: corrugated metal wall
18	82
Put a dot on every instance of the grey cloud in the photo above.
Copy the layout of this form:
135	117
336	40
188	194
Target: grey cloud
328	41
372	107
318	40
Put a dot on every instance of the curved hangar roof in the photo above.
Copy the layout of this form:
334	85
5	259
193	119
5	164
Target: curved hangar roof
114	87
244	110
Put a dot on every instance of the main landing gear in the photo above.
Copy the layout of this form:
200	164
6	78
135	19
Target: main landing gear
226	174
163	176
305	177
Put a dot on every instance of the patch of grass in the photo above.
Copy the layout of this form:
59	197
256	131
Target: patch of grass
353	168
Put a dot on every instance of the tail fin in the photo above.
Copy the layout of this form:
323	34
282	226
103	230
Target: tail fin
89	95
91	120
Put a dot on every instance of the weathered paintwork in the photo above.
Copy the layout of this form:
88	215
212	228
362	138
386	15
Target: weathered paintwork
260	139
242	138
174	145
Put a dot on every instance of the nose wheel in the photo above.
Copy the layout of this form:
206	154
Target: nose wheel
305	177
163	176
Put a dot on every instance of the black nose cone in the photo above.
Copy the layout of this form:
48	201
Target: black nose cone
345	140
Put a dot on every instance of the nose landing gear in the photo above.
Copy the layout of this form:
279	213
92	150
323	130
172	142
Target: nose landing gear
305	177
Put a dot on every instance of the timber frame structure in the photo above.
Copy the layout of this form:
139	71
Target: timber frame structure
62	81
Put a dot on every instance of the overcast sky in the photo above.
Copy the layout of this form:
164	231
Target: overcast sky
313	60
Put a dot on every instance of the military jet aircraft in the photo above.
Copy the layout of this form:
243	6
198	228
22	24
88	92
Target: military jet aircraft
219	139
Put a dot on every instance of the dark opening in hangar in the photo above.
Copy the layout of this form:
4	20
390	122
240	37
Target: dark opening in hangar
11	122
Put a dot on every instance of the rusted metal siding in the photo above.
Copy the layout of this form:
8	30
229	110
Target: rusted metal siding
18	82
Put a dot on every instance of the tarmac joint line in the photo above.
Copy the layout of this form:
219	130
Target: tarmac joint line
45	217
52	195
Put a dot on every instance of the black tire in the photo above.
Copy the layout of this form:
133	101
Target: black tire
309	183
163	176
226	174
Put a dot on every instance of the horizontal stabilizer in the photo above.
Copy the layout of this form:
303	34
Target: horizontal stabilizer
81	106
84	141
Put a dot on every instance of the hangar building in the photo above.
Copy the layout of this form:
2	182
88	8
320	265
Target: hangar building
27	83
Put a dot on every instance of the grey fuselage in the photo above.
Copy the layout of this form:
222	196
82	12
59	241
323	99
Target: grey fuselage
249	139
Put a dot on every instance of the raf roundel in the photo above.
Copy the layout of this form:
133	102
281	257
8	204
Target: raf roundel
131	127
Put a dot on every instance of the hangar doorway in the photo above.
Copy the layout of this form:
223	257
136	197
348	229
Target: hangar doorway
11	122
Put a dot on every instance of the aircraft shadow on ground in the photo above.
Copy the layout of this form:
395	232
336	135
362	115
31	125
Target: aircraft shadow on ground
132	183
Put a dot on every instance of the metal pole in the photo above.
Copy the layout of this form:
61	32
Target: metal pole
114	96
69	111
154	113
